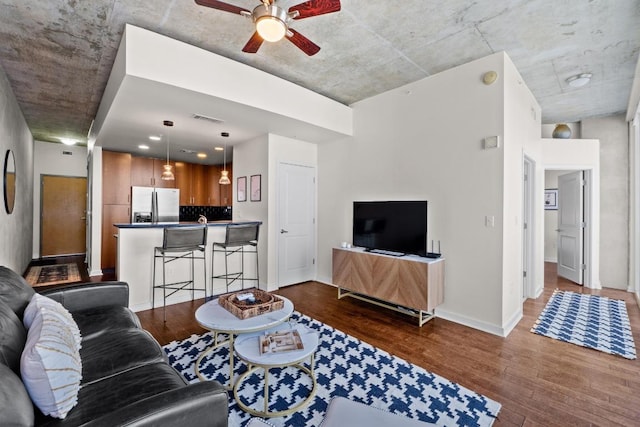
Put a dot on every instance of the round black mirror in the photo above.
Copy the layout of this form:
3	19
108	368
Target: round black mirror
9	181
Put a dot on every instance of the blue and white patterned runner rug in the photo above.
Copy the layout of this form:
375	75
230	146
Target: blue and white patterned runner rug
344	366
589	321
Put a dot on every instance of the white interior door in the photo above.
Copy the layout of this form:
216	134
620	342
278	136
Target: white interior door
571	226
296	219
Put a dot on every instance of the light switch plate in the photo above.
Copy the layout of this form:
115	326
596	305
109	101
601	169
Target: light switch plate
491	142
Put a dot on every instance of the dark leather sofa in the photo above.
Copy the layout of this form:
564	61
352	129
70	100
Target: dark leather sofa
126	380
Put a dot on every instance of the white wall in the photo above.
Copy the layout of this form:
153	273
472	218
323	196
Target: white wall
613	133
522	137
251	158
424	141
634	209
16	228
49	160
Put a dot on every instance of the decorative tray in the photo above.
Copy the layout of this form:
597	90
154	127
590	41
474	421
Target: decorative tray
262	302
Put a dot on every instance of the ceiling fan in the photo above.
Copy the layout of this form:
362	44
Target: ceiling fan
272	21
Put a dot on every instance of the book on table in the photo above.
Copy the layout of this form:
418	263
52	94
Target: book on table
280	341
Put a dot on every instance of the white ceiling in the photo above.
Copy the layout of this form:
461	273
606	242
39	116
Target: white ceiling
58	54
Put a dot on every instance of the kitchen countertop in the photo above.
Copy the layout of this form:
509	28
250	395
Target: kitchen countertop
180	224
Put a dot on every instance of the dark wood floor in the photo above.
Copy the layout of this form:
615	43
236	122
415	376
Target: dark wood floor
539	381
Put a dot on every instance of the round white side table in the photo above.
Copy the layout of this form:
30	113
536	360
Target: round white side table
247	348
217	319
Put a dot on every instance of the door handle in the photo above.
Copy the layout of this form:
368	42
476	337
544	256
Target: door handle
283	231
83	218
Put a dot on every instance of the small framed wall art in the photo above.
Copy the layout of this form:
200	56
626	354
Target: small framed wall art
254	188
551	199
242	189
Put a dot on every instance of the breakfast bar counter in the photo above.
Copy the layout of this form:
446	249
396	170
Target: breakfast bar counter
136	243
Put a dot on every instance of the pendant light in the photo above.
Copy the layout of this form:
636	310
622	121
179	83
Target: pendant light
167	173
224	179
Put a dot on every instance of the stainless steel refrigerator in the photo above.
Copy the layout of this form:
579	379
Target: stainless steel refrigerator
150	204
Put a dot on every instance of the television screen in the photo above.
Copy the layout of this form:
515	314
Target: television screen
396	226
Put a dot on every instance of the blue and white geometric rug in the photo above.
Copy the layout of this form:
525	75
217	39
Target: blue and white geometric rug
589	321
344	366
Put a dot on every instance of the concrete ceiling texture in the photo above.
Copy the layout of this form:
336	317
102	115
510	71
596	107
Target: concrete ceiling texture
58	54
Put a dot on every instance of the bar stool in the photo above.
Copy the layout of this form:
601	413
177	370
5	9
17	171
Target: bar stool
239	239
180	243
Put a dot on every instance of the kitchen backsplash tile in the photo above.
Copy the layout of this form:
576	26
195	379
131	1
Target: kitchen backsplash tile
213	213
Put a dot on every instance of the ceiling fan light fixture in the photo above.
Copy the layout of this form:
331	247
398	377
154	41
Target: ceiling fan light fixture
579	80
271	22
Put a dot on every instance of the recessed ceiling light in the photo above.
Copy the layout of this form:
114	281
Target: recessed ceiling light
579	80
154	138
143	147
219	149
68	141
202	155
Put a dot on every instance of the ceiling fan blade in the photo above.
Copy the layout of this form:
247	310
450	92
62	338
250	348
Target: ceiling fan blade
315	8
221	6
306	45
253	44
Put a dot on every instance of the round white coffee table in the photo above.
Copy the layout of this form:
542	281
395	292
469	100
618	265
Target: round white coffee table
217	319
247	348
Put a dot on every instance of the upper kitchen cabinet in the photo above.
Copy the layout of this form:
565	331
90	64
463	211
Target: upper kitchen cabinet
147	172
116	178
191	179
213	193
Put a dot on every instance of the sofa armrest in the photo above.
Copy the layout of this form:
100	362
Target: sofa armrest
198	404
80	296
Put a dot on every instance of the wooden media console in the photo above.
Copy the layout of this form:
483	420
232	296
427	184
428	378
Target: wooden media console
410	284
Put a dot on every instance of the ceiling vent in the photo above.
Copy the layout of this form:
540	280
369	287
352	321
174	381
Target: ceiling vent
203	117
184	150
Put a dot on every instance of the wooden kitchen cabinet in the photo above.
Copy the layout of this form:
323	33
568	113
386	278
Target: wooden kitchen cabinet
199	184
147	172
116	178
213	188
191	179
111	214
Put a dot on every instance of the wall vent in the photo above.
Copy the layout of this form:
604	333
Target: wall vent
203	117
67	153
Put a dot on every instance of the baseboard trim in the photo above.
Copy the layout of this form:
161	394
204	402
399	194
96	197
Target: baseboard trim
501	331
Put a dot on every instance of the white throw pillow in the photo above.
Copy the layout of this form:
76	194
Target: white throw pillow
50	365
40	302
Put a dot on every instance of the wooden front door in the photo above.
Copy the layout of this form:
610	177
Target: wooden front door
63	224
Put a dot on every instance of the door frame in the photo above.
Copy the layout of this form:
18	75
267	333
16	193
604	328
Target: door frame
591	229
528	219
279	218
86	210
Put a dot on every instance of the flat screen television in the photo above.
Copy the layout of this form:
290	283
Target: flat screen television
396	226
